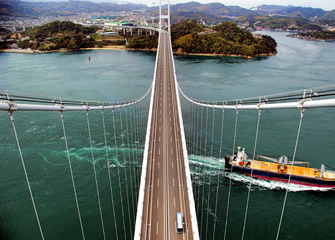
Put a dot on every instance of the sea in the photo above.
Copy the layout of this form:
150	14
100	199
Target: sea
119	75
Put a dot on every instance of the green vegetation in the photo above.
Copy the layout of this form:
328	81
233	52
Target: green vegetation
227	39
316	36
279	22
184	28
143	42
56	35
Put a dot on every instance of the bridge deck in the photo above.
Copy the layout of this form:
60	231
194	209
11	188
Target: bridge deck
165	187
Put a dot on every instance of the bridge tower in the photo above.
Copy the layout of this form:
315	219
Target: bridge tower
161	16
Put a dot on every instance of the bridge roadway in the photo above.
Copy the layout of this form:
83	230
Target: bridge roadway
165	186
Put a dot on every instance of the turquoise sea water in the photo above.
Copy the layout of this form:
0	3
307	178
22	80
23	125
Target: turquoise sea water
122	75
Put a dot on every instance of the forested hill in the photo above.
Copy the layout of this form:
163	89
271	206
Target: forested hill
56	35
225	38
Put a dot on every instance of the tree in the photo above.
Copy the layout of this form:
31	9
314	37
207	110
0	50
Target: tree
72	45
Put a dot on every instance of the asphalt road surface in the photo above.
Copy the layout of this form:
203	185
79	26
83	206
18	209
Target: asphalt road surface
165	187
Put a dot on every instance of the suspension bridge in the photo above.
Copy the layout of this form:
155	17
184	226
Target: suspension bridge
146	144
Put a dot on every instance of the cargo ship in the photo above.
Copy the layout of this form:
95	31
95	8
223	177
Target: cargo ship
281	169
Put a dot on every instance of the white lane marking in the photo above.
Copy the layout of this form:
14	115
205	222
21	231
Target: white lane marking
173	181
159	139
174	201
159	151
172	164
157	228
157	202
158	182
158	165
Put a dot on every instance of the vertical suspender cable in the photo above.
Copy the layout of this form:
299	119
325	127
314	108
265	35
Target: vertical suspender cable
218	180
197	153
138	135
204	175
133	153
130	166
137	143
253	157
125	176
72	178
118	174
289	179
210	170
194	150
201	183
109	174
26	175
95	175
231	170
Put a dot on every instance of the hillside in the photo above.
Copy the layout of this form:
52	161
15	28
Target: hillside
292	11
212	8
279	22
315	36
56	35
20	8
223	39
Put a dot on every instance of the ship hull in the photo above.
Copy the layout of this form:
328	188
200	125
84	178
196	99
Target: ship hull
279	177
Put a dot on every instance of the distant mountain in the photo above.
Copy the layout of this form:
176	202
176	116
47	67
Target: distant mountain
291	11
212	8
20	8
270	9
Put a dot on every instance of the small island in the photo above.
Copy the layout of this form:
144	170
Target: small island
315	36
226	39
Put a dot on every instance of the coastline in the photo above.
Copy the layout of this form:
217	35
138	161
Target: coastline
32	51
223	55
122	47
306	38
